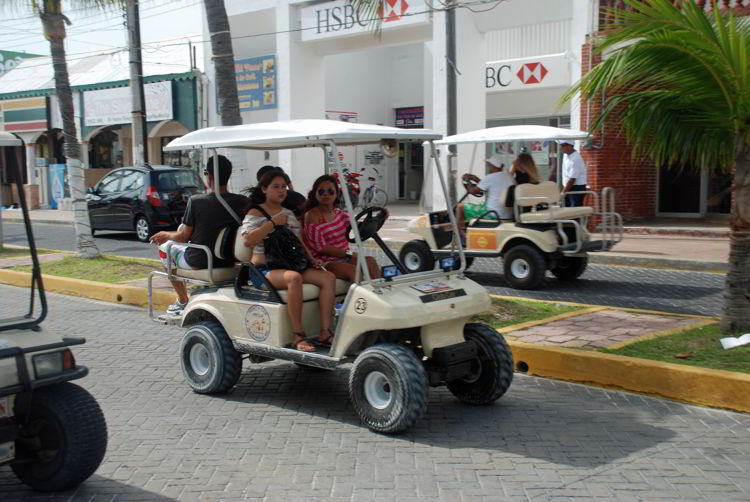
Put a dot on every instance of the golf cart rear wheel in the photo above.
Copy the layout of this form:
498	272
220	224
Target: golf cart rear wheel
569	268
388	388
492	370
64	440
524	267
417	257
209	361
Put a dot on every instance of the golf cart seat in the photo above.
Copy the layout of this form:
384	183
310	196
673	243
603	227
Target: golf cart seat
243	254
530	195
224	243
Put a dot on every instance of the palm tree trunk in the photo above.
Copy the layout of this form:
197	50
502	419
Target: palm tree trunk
54	29
223	57
736	314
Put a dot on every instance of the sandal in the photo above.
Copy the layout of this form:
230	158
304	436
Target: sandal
302	343
327	341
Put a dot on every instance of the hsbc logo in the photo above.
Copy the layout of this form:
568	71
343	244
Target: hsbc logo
392	10
532	73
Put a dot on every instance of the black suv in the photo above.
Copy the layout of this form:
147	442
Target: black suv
144	199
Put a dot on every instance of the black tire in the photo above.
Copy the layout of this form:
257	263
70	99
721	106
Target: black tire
416	257
569	268
65	436
492	370
524	267
143	228
388	388
209	361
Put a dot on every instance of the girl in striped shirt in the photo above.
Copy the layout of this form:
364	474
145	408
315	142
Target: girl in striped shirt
326	228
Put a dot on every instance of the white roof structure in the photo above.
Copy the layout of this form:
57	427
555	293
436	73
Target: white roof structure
36	74
295	134
7	139
513	133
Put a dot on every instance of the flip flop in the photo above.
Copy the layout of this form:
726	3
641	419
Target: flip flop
328	342
303	339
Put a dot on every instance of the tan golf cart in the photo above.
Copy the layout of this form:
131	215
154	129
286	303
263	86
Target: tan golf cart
52	432
402	332
543	234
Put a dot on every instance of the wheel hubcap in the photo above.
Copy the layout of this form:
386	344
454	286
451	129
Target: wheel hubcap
378	390
141	228
199	359
412	261
520	268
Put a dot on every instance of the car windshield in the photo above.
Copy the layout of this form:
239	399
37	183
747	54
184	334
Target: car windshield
175	180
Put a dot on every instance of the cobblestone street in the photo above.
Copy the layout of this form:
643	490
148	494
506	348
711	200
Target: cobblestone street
289	434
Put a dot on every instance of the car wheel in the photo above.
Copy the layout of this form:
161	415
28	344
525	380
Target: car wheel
417	257
569	268
64	440
491	371
524	267
388	388
143	228
209	361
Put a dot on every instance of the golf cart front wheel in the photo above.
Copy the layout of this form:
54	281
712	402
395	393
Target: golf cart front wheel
524	267
209	361
417	257
491	371
569	268
388	388
64	440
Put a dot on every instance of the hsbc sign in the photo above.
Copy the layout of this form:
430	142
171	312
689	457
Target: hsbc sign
527	73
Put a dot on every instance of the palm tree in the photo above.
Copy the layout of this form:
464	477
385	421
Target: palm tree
54	21
681	79
223	57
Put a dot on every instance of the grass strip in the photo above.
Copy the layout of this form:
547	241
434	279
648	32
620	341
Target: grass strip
16	252
106	268
694	347
505	312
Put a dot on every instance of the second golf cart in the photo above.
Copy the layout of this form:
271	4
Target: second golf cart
402	332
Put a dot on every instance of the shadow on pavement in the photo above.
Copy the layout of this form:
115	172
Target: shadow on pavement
578	426
95	488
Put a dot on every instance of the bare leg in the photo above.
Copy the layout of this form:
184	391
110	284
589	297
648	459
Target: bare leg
343	270
292	282
181	291
373	267
326	281
460	221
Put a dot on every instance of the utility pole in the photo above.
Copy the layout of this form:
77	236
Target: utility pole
138	100
450	56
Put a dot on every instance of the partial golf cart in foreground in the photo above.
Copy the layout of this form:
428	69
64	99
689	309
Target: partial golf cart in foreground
404	333
52	432
543	235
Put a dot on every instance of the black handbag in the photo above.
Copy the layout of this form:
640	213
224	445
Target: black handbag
283	249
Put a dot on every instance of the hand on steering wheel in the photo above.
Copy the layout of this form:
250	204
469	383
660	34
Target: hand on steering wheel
368	222
469	179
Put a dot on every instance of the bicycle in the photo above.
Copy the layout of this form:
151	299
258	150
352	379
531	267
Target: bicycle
374	196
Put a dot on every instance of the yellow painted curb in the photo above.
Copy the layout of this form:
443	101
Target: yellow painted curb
558	317
708	387
114	293
659	334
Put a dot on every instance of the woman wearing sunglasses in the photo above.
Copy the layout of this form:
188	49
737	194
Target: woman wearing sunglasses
326	228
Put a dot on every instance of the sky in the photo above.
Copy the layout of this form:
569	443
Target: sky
161	20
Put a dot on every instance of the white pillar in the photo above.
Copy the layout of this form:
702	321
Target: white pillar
582	24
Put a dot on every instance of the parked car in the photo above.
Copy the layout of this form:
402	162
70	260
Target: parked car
143	199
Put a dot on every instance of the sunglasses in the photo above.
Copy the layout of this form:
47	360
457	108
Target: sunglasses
329	191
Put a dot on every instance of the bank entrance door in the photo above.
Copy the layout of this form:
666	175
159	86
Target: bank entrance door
690	193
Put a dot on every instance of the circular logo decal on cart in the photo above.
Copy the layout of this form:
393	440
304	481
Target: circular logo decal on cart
360	306
258	323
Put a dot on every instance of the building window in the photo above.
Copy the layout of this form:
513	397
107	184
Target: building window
178	158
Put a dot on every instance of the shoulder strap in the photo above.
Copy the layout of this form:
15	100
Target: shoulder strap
262	211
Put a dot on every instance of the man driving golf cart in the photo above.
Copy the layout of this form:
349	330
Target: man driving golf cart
496	185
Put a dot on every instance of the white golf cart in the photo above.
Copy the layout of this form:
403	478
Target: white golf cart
403	332
543	234
52	432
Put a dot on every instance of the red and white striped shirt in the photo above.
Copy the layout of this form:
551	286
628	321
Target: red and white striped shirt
330	233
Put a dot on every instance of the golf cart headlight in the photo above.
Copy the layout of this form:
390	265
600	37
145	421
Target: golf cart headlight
447	263
390	271
52	363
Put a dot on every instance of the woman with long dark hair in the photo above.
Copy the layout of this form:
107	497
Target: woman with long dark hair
326	228
268	196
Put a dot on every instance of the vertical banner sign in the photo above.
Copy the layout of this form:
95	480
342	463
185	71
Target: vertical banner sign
56	184
256	82
347	154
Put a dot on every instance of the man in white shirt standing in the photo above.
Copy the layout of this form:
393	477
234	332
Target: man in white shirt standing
573	174
496	183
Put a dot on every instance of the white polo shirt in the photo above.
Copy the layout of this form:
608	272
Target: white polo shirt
573	167
496	184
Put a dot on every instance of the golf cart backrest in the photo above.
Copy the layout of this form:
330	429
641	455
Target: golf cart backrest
546	192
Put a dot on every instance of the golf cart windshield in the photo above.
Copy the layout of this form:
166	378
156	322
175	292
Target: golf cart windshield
304	133
25	321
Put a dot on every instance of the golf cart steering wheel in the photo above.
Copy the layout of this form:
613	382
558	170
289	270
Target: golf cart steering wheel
369	222
471	180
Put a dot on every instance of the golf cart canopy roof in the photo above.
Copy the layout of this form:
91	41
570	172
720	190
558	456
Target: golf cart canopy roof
513	133
7	139
295	134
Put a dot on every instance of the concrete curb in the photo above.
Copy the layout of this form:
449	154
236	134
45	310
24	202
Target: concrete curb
707	387
648	262
45	222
